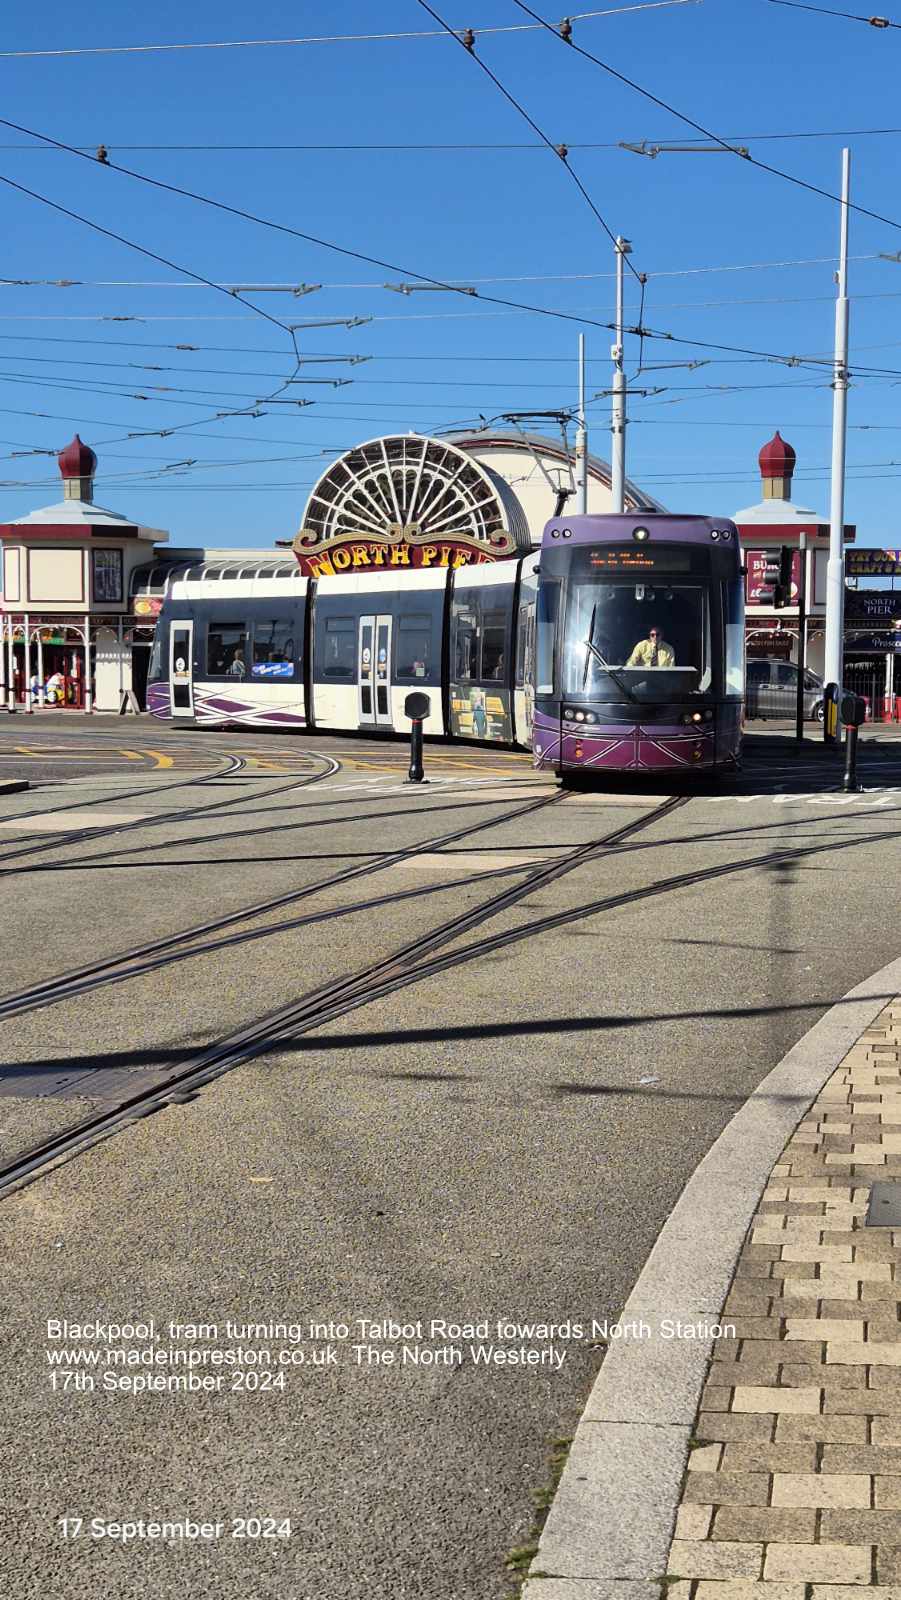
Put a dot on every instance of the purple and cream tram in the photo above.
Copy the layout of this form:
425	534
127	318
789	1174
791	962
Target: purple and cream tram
639	661
619	646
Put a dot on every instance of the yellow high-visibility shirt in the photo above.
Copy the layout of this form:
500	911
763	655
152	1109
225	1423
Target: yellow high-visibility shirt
641	655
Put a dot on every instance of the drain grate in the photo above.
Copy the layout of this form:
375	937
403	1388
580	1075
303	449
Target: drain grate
884	1209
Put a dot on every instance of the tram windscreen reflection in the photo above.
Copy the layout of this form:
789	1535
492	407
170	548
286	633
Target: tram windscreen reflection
643	640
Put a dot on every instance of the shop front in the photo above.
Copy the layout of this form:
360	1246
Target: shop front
68	636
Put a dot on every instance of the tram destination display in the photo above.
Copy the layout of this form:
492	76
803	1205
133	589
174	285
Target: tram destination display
637	558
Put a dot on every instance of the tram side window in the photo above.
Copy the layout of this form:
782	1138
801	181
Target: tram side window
274	648
414	646
735	637
522	643
226	650
546	636
494	627
478	639
465	642
340	653
155	670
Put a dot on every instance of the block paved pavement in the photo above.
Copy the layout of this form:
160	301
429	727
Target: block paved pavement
793	1487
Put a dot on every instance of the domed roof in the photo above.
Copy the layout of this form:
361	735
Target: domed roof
777	459
77	460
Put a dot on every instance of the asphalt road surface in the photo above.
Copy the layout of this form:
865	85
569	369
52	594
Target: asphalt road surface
495	1141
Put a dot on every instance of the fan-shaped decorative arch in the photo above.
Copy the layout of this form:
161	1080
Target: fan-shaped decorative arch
407	489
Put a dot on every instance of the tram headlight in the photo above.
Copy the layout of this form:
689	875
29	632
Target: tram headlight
725	533
640	534
714	533
580	716
590	716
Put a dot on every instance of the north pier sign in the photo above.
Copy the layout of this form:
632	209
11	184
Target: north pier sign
348	553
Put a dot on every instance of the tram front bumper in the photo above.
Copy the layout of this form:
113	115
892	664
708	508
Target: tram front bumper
619	747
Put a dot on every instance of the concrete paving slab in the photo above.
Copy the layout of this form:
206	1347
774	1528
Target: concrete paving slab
576	798
474	860
72	821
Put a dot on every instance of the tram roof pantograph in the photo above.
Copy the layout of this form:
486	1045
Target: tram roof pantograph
408	501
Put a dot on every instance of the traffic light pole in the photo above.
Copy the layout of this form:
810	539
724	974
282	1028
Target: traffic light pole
802	640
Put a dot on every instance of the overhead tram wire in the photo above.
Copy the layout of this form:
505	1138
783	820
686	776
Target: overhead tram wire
849	16
414	147
467	43
458	283
153	255
682	116
389	266
335	38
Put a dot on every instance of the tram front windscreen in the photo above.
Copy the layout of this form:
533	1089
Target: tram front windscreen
636	624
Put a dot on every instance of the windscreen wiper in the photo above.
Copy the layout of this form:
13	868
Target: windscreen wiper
591	649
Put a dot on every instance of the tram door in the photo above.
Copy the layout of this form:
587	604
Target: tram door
181	656
374	671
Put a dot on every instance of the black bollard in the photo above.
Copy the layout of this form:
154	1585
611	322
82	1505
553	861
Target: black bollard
851	784
830	713
853	713
416	707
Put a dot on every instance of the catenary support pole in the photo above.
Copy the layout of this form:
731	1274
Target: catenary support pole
582	435
835	571
618	411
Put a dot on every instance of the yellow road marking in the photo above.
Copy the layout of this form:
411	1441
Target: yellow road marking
161	760
23	750
133	755
271	766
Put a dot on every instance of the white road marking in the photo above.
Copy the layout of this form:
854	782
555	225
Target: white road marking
872	799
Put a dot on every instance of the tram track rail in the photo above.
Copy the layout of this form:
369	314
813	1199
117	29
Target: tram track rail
421	958
233	764
139	958
320	1005
254	833
36	845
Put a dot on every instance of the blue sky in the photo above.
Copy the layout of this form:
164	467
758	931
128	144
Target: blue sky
744	68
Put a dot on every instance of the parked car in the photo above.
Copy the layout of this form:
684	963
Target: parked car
772	690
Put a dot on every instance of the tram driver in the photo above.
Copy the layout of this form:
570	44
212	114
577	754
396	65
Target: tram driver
652	651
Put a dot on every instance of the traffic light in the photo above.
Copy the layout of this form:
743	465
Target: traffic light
782	591
771	569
